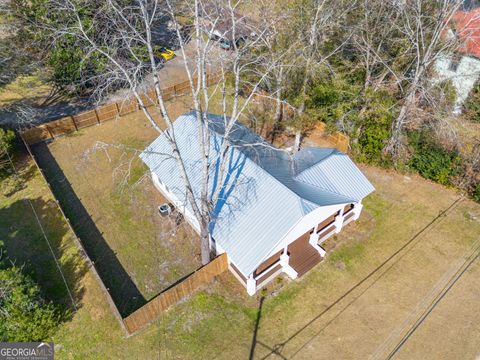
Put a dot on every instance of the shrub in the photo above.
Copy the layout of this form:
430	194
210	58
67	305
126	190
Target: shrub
472	105
372	141
476	193
7	138
332	100
24	315
366	116
374	123
431	161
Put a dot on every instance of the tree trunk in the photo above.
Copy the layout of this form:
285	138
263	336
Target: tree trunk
394	142
298	141
277	120
205	244
298	132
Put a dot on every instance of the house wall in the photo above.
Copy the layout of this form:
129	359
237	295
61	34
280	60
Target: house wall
463	75
269	262
180	205
237	273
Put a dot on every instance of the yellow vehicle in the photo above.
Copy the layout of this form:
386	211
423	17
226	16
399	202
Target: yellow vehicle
164	53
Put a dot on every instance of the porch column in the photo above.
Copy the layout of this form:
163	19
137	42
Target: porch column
251	285
286	268
313	241
314	237
339	221
357	210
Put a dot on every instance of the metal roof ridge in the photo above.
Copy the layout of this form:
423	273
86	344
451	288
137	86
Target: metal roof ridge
335	152
327	191
298	197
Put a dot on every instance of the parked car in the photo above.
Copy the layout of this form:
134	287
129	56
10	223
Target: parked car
164	53
228	44
225	44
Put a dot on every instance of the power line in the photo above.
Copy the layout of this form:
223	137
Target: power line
278	347
17	176
424	304
429	310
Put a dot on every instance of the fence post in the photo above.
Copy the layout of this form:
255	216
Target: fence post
74	123
96	115
50	131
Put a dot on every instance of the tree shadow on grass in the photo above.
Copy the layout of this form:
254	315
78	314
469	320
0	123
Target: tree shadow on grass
123	290
27	248
10	184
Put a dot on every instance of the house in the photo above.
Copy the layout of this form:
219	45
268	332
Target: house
463	68
216	21
274	210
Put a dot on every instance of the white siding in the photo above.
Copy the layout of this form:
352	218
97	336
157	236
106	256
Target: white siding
463	78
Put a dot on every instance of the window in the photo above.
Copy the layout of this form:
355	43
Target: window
454	64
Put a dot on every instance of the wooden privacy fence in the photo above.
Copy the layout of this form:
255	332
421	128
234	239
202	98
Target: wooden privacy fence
151	310
69	124
77	240
339	140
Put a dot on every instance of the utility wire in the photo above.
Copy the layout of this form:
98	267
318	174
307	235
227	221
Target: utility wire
17	176
454	279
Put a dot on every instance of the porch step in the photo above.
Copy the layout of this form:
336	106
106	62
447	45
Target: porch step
308	263
303	256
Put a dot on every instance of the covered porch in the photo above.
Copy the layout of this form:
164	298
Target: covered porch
301	255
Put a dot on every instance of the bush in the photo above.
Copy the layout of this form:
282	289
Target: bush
24	315
7	138
431	161
332	100
371	142
366	116
472	105
374	123
476	193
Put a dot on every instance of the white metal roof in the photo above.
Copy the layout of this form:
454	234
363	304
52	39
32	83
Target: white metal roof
338	174
265	191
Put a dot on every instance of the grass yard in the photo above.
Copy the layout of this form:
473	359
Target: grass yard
30	88
23	239
314	317
112	204
376	284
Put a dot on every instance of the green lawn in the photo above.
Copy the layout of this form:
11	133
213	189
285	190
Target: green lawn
23	238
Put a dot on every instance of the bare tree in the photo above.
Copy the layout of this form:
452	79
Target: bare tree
318	22
374	41
423	23
122	33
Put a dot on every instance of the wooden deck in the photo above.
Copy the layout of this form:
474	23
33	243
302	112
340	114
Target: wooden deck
303	256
